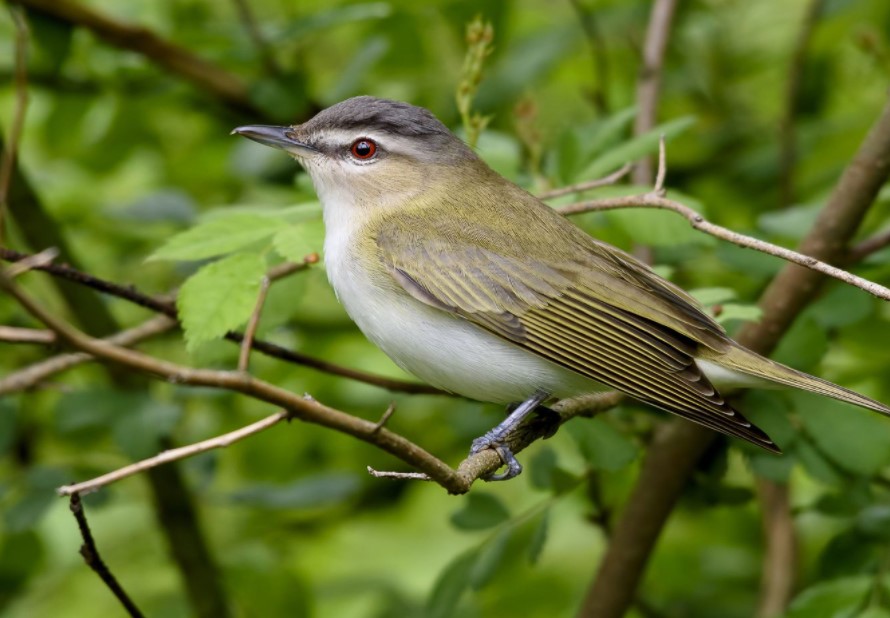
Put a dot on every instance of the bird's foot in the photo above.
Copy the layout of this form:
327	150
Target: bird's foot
497	438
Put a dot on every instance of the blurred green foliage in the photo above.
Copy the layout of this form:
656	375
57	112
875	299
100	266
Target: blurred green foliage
131	163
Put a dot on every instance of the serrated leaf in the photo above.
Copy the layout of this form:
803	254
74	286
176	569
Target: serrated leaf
480	511
490	557
539	538
295	242
217	236
450	585
219	297
603	446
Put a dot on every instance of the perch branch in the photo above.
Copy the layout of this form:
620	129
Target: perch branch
13	334
91	556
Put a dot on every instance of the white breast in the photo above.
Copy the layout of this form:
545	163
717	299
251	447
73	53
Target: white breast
443	350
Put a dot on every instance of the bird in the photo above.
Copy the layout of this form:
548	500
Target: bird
476	286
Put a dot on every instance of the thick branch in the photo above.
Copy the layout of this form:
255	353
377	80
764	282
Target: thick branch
670	460
777	579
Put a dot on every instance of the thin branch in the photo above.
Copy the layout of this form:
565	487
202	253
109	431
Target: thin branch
7	162
777	579
38	261
787	145
252	324
175	454
653	200
649	80
202	73
168	308
605	181
91	556
13	334
868	246
29	377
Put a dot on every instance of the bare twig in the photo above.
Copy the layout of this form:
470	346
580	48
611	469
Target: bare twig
31	376
405	476
580	187
250	332
13	334
167	307
182	452
38	261
787	145
868	246
649	80
387	414
653	200
777	579
93	560
7	162
205	75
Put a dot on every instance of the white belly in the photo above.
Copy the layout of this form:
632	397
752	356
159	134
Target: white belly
444	350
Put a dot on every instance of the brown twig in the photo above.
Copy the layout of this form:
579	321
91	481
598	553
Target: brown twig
777	579
580	187
29	377
671	458
91	556
205	75
168	308
868	246
182	452
14	334
649	80
654	200
7	162
252	324
787	145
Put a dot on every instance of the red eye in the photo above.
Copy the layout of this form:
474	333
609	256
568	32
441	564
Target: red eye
364	148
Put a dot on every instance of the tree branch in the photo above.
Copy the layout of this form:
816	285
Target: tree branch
671	458
168	308
777	579
91	556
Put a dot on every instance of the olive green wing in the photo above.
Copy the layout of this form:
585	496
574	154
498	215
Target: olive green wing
557	308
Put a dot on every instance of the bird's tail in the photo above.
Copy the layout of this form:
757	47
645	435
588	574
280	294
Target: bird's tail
750	363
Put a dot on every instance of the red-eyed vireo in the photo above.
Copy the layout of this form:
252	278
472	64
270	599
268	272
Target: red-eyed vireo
477	287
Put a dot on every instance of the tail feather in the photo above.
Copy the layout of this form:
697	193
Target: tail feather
745	361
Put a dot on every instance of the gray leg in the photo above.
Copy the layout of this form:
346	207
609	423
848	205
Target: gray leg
496	437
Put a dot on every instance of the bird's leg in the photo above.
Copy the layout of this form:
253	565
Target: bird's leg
496	437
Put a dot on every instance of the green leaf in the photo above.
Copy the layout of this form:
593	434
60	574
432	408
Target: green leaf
769	410
219	297
451	584
838	598
636	148
793	222
540	468
539	537
323	490
480	511
604	447
295	242
713	296
490	557
848	553
38	494
217	236
858	440
842	306
735	311
803	346
874	521
816	464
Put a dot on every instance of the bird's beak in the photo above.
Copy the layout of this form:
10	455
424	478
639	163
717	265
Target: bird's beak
276	137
